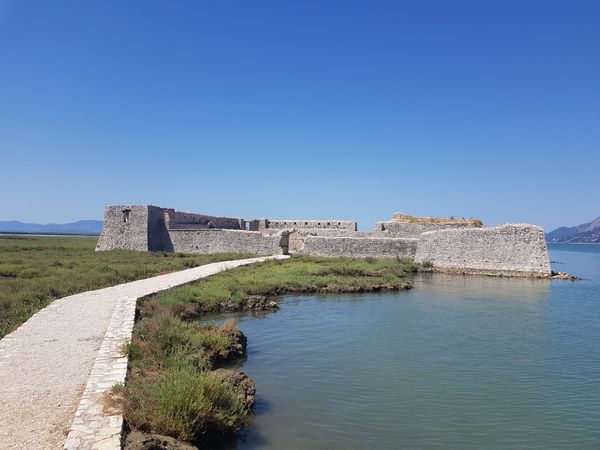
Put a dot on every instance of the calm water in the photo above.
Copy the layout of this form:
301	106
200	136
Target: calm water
458	362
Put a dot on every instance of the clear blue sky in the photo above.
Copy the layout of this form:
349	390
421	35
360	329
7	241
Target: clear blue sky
303	109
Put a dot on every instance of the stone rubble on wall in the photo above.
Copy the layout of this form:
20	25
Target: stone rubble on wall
401	225
414	230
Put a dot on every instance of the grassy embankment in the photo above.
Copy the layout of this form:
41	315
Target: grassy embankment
171	388
35	270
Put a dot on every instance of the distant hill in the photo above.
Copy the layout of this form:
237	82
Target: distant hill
79	227
588	233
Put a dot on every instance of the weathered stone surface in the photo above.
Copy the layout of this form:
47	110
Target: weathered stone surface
242	384
297	235
414	230
131	227
136	440
359	247
346	225
178	219
226	241
564	276
236	348
506	250
467	248
151	228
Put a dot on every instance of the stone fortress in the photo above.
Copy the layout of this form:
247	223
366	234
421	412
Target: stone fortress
449	245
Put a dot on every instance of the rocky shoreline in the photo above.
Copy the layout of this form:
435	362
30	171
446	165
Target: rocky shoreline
564	276
501	274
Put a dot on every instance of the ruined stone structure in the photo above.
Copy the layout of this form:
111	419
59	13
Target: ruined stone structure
153	229
461	246
403	225
508	250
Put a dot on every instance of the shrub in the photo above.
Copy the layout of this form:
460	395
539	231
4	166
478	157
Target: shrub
29	273
185	404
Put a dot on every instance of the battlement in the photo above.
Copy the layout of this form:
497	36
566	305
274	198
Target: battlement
346	225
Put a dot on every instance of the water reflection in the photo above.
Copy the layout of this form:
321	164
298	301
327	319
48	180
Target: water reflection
481	287
458	362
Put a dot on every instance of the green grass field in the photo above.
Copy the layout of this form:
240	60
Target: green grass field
35	270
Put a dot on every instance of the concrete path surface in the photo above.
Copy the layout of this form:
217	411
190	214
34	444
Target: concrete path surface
45	365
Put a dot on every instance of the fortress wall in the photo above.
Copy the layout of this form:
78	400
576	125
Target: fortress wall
179	219
226	241
461	247
297	236
359	247
505	250
126	227
347	225
395	228
156	229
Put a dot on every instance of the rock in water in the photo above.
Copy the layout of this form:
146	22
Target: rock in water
564	276
242	384
136	440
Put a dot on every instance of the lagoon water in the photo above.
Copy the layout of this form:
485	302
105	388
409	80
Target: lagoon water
456	363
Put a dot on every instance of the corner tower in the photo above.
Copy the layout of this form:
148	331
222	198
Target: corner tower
132	227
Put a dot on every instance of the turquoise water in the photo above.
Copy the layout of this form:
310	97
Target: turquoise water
456	363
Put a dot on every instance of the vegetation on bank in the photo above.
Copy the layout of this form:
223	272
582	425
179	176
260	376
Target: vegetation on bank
232	290
34	270
171	387
414	219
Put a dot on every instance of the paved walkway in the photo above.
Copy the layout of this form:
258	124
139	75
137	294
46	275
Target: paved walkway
45	365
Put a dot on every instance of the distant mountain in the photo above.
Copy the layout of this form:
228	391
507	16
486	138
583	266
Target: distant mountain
79	227
588	233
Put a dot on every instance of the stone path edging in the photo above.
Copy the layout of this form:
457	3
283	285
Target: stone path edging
93	427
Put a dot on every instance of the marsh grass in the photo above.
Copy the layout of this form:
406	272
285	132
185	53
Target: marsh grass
170	387
184	403
277	277
35	270
165	341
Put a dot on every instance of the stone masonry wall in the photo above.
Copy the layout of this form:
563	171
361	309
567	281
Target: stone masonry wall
125	227
185	220
313	224
226	241
462	247
359	247
505	250
156	229
414	229
297	235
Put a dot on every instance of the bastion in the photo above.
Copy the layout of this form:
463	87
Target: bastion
450	245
